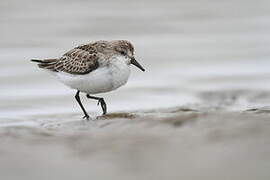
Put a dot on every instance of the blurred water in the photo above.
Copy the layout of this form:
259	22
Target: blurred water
189	48
205	55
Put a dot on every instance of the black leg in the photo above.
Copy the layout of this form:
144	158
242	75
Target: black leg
77	97
101	101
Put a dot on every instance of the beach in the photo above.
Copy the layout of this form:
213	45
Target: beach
201	110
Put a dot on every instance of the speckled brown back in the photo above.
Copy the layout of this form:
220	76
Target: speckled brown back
85	58
78	61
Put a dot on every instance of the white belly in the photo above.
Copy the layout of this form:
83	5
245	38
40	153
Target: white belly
101	80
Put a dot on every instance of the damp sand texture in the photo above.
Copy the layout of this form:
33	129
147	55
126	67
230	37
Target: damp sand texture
200	111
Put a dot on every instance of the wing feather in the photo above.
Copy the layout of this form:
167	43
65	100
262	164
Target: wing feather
78	61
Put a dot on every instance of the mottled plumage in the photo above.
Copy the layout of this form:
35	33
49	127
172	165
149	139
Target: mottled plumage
83	59
94	68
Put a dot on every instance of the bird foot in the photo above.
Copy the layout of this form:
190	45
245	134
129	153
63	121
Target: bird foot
103	105
86	117
101	102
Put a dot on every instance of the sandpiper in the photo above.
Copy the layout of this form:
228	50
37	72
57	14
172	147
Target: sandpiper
93	68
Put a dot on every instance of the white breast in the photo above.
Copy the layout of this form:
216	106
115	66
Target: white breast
120	72
103	79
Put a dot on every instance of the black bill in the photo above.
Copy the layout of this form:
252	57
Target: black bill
135	63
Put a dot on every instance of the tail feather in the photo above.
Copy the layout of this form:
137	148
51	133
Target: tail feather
44	60
37	60
45	63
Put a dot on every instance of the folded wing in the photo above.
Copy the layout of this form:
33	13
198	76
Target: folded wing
79	60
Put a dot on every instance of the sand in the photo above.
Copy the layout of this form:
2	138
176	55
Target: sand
200	111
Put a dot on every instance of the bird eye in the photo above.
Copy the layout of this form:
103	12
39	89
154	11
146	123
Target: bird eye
123	52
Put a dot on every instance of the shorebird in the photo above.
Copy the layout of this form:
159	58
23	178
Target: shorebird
93	68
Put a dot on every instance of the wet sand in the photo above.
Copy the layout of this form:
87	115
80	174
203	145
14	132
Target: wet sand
200	111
